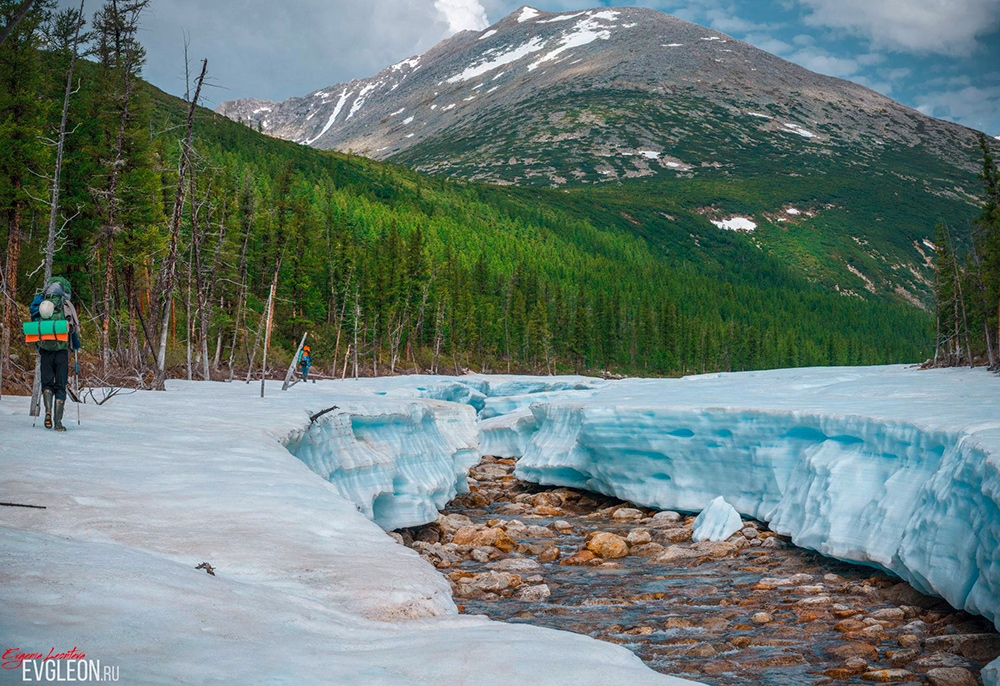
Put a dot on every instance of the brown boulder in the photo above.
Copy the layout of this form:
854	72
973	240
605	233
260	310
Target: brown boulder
581	558
550	554
546	500
607	545
646	550
887	676
951	676
492	536
848	650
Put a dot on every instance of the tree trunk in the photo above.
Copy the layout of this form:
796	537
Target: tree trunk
167	275
10	318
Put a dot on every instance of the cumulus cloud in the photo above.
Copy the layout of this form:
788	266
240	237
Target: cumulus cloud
462	15
259	48
973	106
945	27
764	41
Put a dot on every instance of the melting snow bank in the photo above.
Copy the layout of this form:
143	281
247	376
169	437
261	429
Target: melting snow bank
888	466
398	461
307	590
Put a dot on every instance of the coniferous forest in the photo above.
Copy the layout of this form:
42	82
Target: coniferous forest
173	225
967	280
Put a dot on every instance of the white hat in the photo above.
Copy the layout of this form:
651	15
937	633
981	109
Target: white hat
46	308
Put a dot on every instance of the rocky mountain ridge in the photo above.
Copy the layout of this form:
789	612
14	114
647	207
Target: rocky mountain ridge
595	95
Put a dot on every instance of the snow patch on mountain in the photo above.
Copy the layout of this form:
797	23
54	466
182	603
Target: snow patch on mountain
527	14
735	224
561	17
584	32
495	61
333	117
795	128
412	63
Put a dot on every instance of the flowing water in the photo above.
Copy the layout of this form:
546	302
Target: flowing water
754	611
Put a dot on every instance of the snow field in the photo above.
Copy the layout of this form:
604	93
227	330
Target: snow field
307	589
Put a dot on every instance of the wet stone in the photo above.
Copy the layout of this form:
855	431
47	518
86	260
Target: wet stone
750	611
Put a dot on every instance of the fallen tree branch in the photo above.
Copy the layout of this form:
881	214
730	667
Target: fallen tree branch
319	414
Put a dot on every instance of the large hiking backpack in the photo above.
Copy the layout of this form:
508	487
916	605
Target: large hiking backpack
51	333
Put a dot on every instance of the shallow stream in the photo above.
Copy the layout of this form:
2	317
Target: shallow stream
753	610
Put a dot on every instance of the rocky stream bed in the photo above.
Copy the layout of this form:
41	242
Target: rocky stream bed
749	610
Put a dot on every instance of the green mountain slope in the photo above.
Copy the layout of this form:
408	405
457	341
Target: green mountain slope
666	117
421	273
590	277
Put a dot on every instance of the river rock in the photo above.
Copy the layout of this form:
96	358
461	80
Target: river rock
675	553
985	647
513	508
562	526
667	516
638	537
887	676
450	523
762	618
581	558
701	650
546	500
936	661
855	665
679	534
951	676
889	614
901	658
627	513
717	522
536	531
862	650
608	546
550	554
515	564
647	550
534	594
496	537
715	549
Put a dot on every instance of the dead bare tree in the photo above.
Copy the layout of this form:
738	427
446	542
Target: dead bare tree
167	277
22	12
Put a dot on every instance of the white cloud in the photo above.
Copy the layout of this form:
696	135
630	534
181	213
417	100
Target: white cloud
462	15
823	62
973	106
769	43
946	27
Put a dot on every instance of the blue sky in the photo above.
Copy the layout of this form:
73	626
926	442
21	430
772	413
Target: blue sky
939	56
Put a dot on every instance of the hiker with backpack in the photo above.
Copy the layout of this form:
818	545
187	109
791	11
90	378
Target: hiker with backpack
55	330
305	361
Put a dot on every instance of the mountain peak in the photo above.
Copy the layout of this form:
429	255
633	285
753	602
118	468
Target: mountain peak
588	96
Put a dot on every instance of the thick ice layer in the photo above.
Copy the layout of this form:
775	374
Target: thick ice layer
717	522
307	590
507	435
889	466
399	462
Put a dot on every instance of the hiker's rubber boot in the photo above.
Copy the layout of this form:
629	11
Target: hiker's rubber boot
47	397
60	406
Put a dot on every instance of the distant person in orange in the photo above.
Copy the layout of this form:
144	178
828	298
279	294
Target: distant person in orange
305	361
